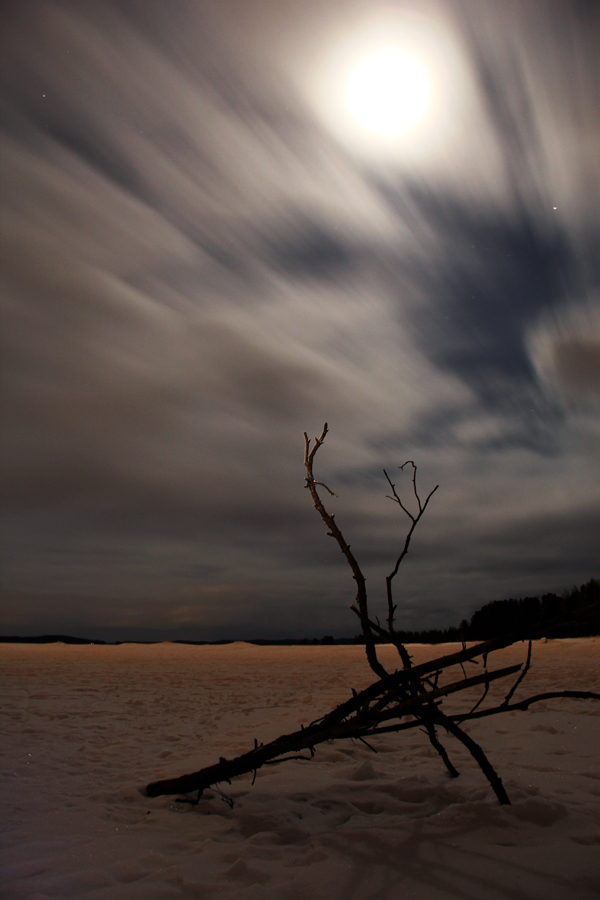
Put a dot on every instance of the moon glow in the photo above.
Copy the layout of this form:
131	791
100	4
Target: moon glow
394	88
388	92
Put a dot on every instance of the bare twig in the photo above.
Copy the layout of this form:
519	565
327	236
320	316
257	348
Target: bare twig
520	678
437	745
479	757
389	578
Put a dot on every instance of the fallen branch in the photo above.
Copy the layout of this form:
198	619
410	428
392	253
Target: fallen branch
361	725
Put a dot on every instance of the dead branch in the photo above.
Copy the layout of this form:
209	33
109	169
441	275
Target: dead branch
366	722
397	701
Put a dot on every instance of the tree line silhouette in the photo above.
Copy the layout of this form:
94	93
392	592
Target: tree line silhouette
581	604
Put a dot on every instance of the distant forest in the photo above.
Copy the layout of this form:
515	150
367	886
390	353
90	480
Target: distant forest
579	609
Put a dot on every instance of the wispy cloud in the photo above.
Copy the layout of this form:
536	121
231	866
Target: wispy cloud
197	269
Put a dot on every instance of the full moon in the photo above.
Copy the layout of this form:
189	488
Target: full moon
393	87
388	92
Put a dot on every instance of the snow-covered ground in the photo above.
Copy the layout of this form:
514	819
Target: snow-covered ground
86	727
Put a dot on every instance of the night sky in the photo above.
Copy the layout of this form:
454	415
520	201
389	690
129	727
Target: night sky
207	250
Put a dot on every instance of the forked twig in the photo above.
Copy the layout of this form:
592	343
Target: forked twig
389	578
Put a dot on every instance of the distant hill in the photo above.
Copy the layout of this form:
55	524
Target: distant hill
47	639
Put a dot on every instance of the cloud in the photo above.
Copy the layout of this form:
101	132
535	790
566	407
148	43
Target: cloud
565	348
197	269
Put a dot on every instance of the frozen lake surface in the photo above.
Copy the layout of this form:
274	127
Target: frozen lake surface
85	728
